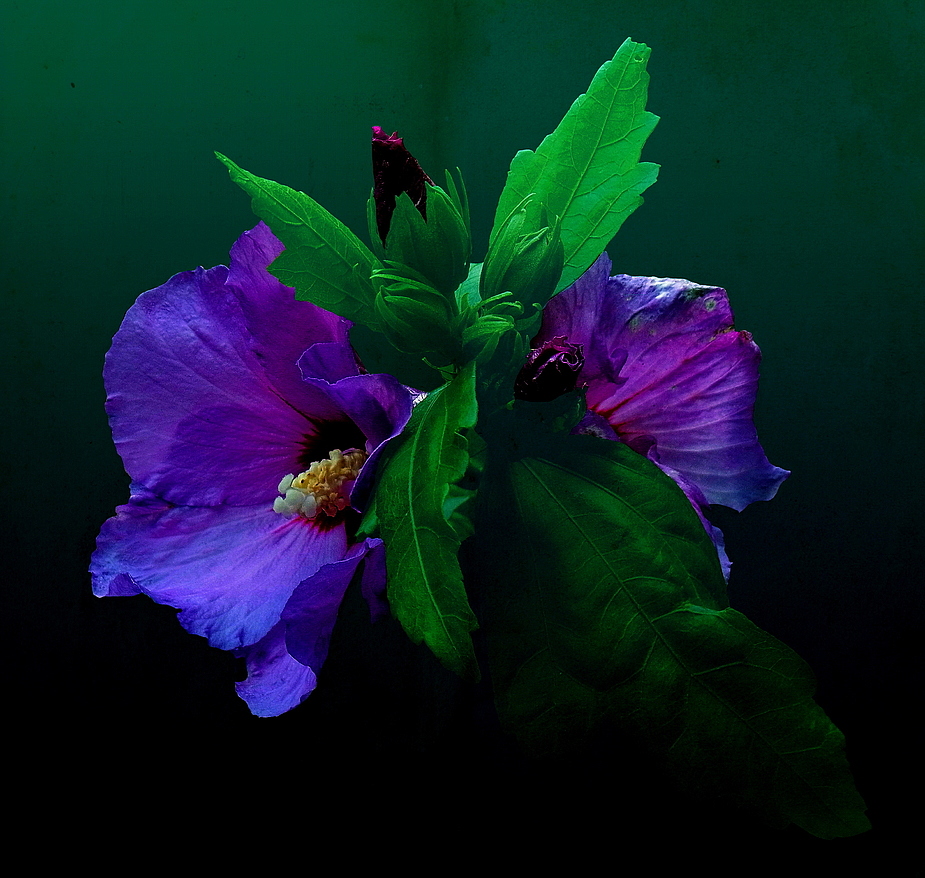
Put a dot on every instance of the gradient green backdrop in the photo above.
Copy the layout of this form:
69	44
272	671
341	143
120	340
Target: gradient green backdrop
791	142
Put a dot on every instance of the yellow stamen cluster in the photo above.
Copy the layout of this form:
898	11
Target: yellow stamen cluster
318	489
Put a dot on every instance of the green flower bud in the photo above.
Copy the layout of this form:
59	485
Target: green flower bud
416	318
525	257
438	247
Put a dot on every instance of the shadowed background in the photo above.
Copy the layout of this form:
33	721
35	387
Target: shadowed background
791	143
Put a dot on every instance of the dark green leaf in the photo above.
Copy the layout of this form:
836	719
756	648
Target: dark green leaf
413	500
587	172
325	262
378	354
600	597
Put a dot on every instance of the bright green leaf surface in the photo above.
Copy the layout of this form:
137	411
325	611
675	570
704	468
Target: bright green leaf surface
325	262
587	171
591	569
413	500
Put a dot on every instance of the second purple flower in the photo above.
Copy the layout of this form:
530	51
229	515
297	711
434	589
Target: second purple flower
668	374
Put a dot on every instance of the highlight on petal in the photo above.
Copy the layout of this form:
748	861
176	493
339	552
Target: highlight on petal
663	361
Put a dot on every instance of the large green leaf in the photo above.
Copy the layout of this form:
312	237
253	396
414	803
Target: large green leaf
414	506
325	262
587	172
600	597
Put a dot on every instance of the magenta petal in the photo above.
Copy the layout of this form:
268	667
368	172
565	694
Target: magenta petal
206	408
229	570
687	378
275	682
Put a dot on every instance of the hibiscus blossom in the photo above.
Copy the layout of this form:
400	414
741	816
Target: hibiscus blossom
668	374
243	421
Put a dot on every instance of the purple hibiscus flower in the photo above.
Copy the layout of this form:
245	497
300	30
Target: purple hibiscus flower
668	374
243	421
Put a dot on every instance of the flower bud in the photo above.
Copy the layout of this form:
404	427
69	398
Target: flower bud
550	371
439	248
395	171
524	259
415	317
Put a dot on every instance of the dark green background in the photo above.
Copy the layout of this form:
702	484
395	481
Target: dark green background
791	146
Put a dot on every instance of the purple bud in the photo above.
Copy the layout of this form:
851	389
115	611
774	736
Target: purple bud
551	370
395	171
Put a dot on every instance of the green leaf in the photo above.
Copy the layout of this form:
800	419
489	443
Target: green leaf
587	172
413	501
325	262
467	293
378	354
599	594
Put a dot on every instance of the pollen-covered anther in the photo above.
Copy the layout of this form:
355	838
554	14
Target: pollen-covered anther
320	488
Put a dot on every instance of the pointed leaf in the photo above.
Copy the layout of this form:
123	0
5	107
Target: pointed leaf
325	262
587	172
591	573
413	500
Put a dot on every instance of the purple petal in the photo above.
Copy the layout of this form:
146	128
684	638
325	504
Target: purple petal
206	406
585	314
373	580
275	682
279	327
687	378
378	404
230	570
698	501
311	611
329	361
